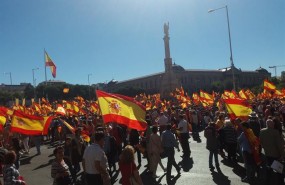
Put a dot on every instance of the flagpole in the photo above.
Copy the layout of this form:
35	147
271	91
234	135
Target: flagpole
45	66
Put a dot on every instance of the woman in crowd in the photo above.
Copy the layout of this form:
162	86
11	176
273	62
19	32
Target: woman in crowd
128	167
10	174
211	135
155	149
59	169
249	162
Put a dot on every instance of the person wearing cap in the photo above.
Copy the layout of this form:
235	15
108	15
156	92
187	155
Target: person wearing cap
271	142
254	123
184	136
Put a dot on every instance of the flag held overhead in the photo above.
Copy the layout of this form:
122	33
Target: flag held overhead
122	109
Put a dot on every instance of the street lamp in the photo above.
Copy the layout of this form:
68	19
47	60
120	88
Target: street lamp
89	86
231	57
33	71
9	73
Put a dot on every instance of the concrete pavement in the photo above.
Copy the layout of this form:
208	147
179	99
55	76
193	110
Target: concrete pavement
36	168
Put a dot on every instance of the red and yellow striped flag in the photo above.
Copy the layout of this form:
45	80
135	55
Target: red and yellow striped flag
237	108
269	85
243	95
122	109
30	124
49	63
206	99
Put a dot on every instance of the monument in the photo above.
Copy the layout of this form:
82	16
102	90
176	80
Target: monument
169	80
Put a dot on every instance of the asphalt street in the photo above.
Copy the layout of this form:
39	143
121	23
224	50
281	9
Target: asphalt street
36	169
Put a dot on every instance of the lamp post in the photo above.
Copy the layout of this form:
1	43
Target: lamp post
10	74
89	85
33	71
34	81
230	40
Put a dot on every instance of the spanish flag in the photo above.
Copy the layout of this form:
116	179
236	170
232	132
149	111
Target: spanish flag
49	63
2	121
206	99
30	124
122	109
237	108
84	134
66	90
269	85
243	95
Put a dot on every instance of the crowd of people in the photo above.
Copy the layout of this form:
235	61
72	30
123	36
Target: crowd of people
112	147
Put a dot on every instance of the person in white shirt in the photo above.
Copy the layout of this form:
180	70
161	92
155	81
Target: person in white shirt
95	163
162	121
184	136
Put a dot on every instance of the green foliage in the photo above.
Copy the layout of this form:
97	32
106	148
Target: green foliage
55	91
129	91
29	92
5	97
228	84
217	86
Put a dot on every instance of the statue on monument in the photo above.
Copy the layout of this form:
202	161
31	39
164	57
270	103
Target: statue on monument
166	28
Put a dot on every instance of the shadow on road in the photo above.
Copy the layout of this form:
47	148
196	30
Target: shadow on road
174	180
26	159
186	164
44	165
219	178
148	179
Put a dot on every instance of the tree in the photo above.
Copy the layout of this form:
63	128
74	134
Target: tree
29	92
129	91
217	86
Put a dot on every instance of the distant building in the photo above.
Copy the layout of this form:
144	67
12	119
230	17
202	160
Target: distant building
52	82
191	80
14	88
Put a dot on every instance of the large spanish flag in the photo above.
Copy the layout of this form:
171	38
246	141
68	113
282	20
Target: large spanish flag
237	108
30	124
122	109
269	85
49	63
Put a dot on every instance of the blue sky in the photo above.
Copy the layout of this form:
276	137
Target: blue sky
122	39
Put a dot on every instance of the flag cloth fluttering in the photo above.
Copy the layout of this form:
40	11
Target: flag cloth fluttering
237	108
30	124
2	120
269	86
49	63
122	109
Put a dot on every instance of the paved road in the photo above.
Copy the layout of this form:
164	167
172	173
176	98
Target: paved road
36	169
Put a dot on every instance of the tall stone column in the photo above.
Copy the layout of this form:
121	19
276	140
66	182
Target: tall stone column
169	81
